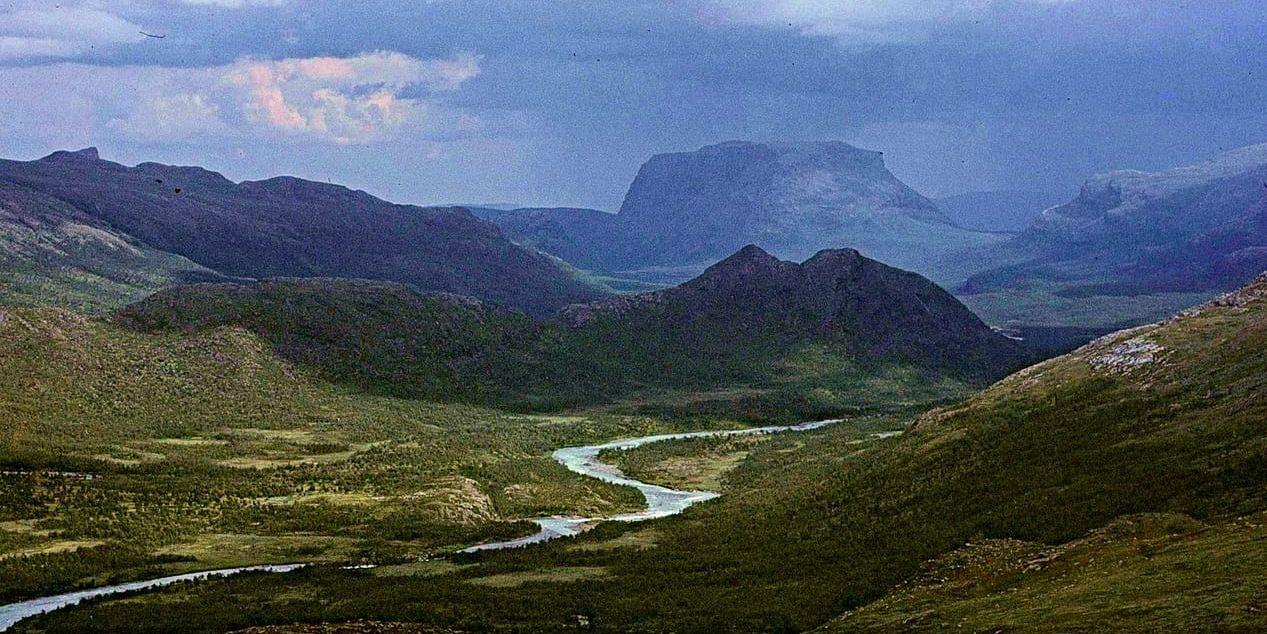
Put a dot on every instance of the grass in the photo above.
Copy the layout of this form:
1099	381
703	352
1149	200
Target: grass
697	464
1065	457
1140	573
186	451
547	576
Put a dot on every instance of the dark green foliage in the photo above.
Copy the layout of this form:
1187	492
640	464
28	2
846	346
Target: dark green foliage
800	339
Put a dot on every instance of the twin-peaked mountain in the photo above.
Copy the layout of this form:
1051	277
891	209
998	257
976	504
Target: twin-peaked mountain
838	321
292	227
690	209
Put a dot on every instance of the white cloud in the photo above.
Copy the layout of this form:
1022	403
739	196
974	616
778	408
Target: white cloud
61	32
343	100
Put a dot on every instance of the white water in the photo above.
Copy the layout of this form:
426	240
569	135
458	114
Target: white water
661	502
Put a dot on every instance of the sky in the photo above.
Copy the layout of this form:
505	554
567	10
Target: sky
559	103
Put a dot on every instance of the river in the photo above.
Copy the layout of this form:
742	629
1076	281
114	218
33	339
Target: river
660	502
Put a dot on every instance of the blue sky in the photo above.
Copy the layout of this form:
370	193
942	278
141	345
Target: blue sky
560	102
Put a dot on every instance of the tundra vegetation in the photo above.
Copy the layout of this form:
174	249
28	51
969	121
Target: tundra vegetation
1122	484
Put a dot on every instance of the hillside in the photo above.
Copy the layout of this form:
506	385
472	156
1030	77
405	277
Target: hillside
782	331
578	236
290	227
380	336
127	455
51	254
1146	448
1142	241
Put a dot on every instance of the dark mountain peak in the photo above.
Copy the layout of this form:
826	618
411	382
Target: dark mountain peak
747	266
88	153
838	297
748	254
834	259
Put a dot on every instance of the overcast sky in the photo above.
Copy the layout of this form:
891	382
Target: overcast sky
559	103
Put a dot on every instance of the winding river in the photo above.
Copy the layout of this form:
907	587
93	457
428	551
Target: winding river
661	502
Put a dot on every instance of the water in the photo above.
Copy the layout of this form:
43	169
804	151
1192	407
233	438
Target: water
661	502
14	612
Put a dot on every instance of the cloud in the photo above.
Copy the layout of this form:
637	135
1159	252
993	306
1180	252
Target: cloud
61	32
862	21
346	100
235	4
342	100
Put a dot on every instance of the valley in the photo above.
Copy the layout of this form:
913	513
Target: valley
835	518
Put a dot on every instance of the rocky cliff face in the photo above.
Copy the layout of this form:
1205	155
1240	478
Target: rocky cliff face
687	210
1193	229
292	227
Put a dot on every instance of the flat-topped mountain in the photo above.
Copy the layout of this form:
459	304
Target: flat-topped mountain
292	227
690	209
750	320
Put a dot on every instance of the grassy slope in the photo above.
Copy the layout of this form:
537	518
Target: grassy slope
52	255
206	450
816	525
1141	573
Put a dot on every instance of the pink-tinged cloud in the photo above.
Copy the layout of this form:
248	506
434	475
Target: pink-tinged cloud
347	101
344	100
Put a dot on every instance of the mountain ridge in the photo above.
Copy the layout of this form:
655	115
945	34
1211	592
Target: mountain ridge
286	226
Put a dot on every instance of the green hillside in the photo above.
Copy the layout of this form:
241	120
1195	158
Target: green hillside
754	337
127	455
1061	458
53	255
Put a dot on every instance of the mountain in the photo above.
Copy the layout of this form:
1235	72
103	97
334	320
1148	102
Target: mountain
291	227
751	320
1004	211
687	210
1201	228
380	336
52	254
863	308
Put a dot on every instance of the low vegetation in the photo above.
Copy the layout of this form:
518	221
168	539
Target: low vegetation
1065	457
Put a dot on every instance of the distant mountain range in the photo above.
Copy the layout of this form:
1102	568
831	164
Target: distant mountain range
687	210
291	227
1195	229
750	320
1131	247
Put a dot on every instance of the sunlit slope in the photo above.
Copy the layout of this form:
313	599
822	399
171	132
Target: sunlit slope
53	255
126	455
